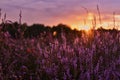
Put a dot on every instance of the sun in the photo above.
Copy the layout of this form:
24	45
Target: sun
86	28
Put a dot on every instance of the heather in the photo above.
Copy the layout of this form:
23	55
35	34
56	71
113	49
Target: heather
39	52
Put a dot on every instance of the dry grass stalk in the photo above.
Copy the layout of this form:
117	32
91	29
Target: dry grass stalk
98	10
20	17
94	22
4	18
0	13
86	13
114	23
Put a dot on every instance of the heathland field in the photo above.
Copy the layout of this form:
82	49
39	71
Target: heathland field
58	53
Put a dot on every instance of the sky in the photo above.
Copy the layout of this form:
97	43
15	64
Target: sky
70	12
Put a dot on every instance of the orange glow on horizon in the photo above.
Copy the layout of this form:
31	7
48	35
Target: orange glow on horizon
87	22
90	16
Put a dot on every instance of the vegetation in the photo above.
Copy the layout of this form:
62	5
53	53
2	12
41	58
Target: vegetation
38	52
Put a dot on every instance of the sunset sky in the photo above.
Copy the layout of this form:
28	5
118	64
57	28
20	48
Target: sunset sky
70	12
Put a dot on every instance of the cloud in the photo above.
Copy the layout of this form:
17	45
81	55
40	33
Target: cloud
54	11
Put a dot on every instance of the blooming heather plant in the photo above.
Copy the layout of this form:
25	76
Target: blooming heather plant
42	59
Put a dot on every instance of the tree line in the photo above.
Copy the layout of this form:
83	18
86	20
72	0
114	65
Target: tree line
17	30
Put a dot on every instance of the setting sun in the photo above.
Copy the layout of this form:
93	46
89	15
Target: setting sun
86	28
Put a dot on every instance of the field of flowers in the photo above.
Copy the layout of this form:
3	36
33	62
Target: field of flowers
94	55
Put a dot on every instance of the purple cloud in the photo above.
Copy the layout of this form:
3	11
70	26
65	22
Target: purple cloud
47	11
